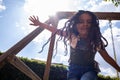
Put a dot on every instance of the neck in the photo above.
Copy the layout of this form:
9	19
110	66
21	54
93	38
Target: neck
83	36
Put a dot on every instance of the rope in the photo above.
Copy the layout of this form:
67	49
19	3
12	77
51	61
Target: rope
110	25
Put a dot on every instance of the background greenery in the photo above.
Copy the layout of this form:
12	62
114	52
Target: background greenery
57	71
115	2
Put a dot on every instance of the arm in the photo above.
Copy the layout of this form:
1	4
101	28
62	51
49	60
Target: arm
35	22
109	59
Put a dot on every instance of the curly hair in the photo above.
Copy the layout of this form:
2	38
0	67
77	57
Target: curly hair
95	36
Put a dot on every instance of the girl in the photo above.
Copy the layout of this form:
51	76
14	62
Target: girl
83	32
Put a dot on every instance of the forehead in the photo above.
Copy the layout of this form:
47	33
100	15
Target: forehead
85	16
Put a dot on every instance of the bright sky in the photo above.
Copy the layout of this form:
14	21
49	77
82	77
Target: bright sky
14	26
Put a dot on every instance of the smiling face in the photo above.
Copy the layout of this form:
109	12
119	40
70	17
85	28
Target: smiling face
84	25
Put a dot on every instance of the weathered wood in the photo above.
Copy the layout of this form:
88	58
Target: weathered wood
100	15
16	62
15	49
50	52
2	64
21	44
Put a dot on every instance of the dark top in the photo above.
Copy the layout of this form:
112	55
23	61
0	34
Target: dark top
82	54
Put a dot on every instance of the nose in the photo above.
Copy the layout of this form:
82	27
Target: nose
86	24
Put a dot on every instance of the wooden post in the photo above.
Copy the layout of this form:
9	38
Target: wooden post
50	52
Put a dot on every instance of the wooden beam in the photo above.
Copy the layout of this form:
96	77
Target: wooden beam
21	44
108	15
9	55
50	52
16	62
100	15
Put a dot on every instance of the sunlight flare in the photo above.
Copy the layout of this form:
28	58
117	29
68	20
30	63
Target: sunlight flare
45	8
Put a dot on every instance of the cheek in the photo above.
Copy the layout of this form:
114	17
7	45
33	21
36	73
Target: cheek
80	28
83	29
89	25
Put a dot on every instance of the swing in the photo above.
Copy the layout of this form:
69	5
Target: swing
113	45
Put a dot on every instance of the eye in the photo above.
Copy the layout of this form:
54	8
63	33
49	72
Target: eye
81	21
89	22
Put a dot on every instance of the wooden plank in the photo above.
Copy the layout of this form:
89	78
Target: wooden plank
50	52
100	15
21	44
108	15
16	62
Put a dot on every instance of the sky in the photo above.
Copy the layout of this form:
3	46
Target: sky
14	25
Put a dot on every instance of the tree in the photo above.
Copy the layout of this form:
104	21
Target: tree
115	2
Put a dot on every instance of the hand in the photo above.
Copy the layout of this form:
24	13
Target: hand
35	21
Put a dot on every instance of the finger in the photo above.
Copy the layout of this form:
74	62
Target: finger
37	18
31	24
34	18
31	19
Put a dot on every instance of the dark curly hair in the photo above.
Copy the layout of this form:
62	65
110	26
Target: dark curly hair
95	36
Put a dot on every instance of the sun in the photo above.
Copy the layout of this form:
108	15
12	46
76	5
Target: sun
45	8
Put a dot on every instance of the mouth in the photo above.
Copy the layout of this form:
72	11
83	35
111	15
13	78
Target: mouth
83	31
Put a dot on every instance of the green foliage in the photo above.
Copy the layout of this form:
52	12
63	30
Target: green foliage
115	2
0	52
9	72
101	77
57	71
